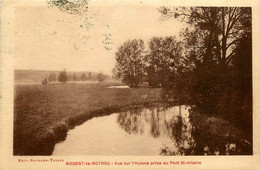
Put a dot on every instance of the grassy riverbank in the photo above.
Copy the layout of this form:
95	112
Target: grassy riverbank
43	114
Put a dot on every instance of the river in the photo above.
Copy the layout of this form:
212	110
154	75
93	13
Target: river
144	132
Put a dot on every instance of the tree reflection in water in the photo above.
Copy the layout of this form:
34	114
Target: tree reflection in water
174	128
171	124
131	121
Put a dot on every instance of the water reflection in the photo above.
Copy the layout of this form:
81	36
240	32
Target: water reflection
149	131
173	125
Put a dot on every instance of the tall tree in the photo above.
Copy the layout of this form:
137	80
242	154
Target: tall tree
130	62
164	58
221	28
211	42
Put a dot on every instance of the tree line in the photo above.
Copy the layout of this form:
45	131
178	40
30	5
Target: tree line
210	67
135	64
64	77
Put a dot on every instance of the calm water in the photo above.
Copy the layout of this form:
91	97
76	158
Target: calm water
154	131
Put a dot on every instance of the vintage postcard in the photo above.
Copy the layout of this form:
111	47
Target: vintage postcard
138	84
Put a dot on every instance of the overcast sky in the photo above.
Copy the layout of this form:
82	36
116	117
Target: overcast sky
49	39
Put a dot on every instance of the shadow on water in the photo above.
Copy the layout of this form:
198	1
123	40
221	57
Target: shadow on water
181	137
148	131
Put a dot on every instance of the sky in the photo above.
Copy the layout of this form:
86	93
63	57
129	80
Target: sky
49	39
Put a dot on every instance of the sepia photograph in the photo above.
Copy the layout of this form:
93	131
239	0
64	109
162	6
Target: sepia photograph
132	80
138	84
132	84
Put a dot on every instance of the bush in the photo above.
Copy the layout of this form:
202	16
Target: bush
101	77
83	77
63	77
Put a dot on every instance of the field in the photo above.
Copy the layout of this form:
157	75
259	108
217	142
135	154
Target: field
43	114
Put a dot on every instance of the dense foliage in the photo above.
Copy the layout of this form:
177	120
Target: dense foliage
63	77
221	81
210	68
130	62
162	60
